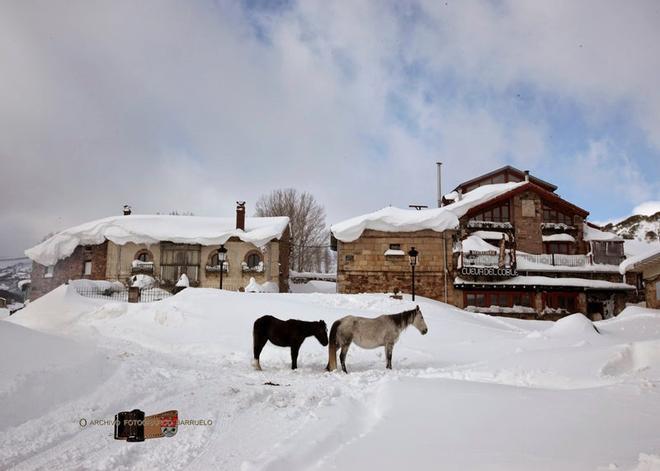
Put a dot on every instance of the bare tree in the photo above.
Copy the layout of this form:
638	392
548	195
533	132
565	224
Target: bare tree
309	237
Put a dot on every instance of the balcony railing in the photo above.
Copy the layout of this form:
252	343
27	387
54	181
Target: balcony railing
556	259
139	266
484	259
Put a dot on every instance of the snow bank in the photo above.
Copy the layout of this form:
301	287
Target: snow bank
314	286
152	229
476	392
393	219
575	325
268	287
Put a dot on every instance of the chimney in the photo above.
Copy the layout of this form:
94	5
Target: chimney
439	165
240	215
526	175
127	210
460	194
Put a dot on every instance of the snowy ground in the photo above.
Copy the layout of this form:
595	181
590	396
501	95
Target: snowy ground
477	392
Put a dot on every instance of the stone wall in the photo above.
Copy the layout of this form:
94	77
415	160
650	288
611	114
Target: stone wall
651	291
70	268
362	265
120	259
529	237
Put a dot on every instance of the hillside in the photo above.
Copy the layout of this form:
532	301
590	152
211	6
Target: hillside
637	227
12	272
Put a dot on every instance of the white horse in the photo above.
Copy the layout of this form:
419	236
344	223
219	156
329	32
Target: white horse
370	333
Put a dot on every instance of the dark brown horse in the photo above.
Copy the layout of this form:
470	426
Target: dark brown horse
291	333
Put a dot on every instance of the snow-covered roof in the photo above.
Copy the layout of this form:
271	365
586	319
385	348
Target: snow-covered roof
548	281
558	238
630	263
152	229
591	233
491	235
477	244
393	219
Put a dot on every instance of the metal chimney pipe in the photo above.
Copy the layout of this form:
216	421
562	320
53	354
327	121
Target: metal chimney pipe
439	165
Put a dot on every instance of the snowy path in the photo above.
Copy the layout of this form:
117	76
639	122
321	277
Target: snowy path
476	393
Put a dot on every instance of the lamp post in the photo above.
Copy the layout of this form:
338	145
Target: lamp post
222	256
412	255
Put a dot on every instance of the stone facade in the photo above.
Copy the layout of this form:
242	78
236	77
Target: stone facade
362	265
527	225
70	268
652	292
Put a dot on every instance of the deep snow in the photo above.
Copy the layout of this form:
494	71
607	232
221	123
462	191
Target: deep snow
477	392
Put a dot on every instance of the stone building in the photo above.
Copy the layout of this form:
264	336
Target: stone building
647	268
165	247
503	243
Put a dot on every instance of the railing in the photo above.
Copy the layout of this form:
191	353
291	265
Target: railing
473	223
484	259
216	268
556	259
121	295
140	267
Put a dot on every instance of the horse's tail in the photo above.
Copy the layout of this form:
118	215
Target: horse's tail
332	347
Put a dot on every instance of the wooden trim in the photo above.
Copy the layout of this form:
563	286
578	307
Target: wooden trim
528	186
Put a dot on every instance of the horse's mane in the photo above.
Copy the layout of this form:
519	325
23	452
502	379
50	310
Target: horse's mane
403	319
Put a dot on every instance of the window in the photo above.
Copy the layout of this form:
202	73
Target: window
498	298
349	258
553	216
215	260
395	246
177	259
556	247
564	301
657	290
614	248
143	256
253	260
87	270
497	214
49	271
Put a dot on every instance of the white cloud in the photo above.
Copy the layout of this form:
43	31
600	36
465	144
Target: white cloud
648	208
182	105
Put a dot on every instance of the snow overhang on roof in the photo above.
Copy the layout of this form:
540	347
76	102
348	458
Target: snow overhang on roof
153	229
592	233
393	219
638	262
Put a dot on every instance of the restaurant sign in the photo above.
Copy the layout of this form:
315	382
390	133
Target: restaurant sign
504	272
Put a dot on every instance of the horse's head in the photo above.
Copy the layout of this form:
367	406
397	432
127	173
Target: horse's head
321	332
418	321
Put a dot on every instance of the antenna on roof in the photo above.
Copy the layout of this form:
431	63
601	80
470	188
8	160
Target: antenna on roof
418	206
127	210
439	165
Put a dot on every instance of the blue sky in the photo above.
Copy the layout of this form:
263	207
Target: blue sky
191	106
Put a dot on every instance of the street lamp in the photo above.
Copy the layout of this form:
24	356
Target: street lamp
222	256
412	255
